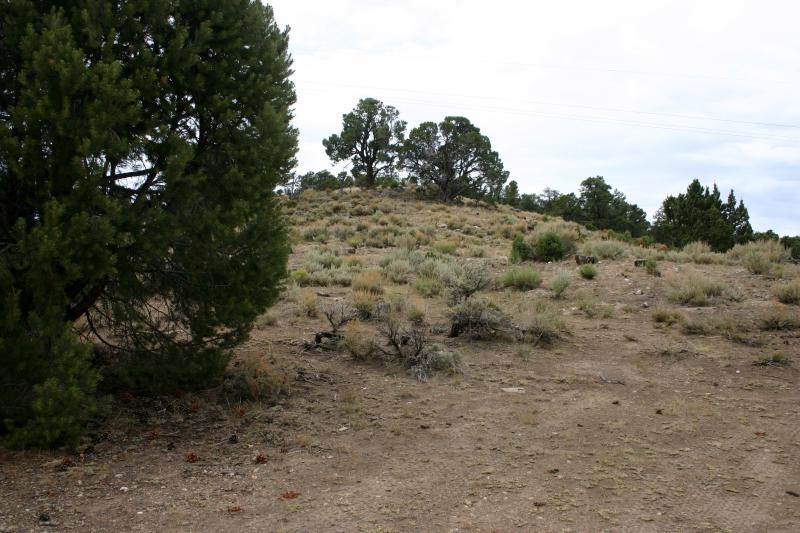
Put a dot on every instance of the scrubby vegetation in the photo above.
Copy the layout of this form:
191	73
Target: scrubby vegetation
522	279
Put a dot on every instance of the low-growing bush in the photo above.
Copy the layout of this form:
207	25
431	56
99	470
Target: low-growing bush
429	287
605	249
698	291
308	303
522	279
666	316
370	280
756	262
520	250
399	271
540	324
549	247
788	293
777	319
771	250
700	252
466	280
592	308
560	283
587	271
445	247
477	318
254	380
651	266
365	303
358	341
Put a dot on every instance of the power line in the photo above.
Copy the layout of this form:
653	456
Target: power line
560	104
601	120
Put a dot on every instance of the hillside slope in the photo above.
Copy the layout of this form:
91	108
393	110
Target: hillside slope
660	400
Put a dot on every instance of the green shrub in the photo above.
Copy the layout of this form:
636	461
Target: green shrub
778	319
466	280
520	250
594	309
445	247
756	262
522	279
371	281
477	318
605	249
788	293
399	271
550	247
651	267
669	317
540	324
560	283
699	291
587	271
429	287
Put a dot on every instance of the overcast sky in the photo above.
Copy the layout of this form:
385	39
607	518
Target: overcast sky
649	94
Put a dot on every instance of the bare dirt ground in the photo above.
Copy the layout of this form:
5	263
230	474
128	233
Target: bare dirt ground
621	425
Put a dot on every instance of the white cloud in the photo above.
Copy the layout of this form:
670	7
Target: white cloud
624	89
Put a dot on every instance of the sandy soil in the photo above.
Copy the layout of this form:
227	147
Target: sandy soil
622	425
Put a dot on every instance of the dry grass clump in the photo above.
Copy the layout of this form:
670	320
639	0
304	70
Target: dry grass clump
429	287
560	284
523	279
477	318
605	249
446	247
399	271
587	271
541	323
696	252
404	343
695	290
772	251
308	303
253	379
370	281
662	315
464	280
568	232
358	341
788	292
365	303
724	325
593	308
778	319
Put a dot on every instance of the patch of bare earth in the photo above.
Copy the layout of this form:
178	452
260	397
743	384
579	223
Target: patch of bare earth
621	425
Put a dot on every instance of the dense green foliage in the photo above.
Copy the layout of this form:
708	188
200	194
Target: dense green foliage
596	207
793	244
701	215
520	250
140	144
371	135
549	247
453	159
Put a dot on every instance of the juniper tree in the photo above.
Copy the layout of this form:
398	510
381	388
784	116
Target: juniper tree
140	144
371	134
453	158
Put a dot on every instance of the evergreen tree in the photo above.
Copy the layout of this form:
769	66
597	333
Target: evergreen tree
700	215
324	179
511	194
140	144
370	137
454	159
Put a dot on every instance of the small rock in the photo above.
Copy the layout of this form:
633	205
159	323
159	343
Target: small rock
514	390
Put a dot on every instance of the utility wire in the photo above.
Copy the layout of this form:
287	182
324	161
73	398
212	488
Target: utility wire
543	102
601	120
